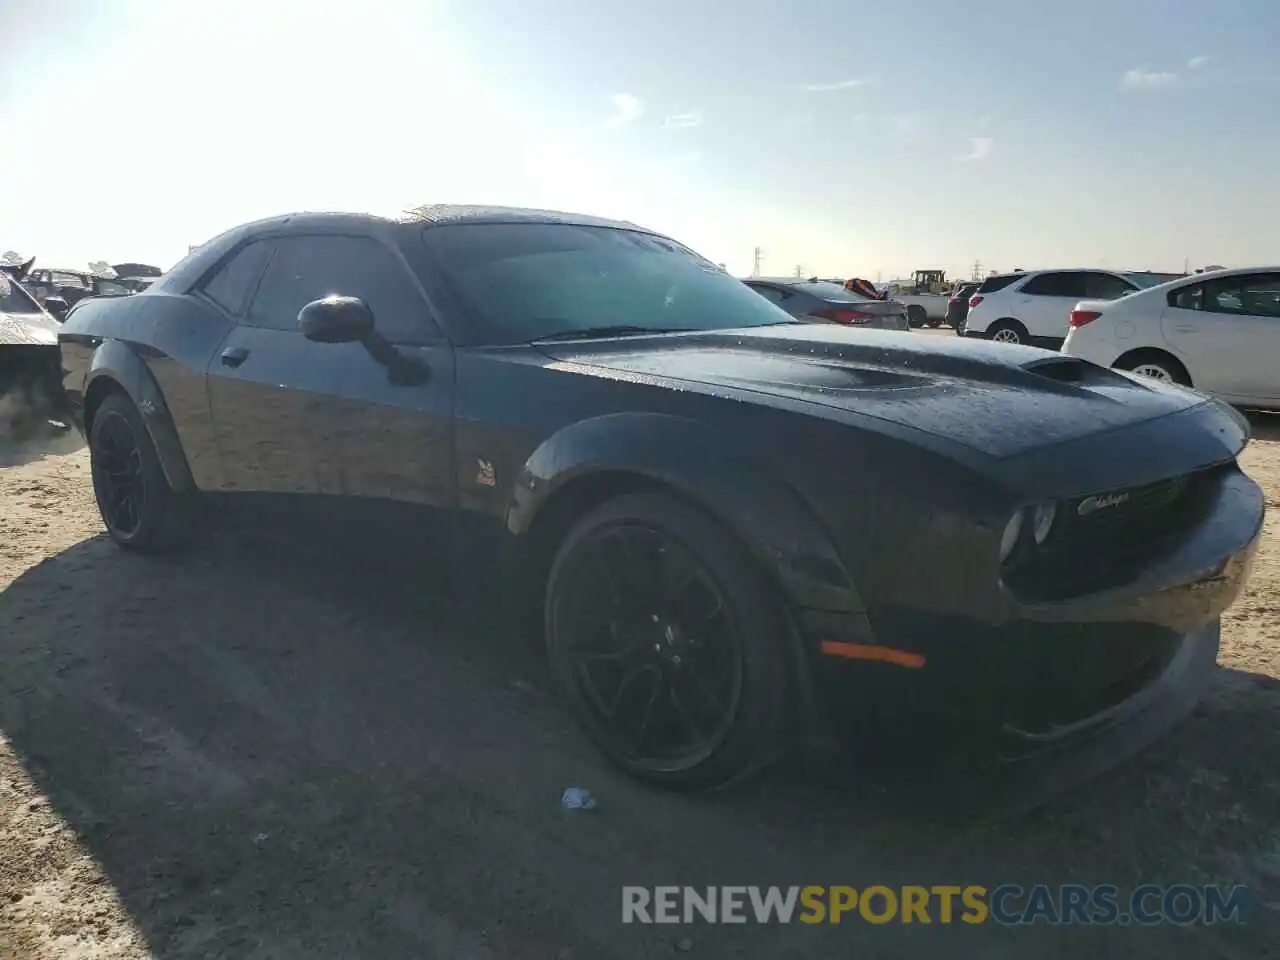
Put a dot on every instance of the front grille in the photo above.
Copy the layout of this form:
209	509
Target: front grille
1105	538
1112	512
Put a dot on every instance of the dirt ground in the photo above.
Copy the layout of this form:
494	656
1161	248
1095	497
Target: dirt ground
251	751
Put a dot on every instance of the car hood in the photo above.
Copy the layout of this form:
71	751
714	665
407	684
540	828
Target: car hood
997	399
28	329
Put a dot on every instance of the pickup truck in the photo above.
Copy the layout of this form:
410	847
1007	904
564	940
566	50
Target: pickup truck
926	296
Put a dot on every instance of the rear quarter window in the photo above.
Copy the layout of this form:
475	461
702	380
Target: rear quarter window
776	294
993	284
232	283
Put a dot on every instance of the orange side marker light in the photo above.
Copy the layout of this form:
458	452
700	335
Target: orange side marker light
867	651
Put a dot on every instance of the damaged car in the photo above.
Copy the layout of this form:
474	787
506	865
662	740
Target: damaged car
731	529
30	375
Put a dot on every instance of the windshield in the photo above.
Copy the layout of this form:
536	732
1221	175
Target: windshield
69	279
522	281
112	288
14	299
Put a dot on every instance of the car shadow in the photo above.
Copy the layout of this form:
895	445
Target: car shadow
1266	425
275	750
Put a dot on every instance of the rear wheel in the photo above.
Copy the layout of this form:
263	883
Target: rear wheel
669	646
916	316
1157	365
1008	331
140	510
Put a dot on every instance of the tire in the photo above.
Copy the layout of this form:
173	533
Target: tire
1155	364
1008	331
159	519
916	316
746	641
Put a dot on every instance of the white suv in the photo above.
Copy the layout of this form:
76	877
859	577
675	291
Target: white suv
1034	307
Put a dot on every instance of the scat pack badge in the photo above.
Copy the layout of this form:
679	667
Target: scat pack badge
485	477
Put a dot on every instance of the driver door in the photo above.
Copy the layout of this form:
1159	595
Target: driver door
328	419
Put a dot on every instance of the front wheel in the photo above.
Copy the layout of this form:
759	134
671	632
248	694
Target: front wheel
668	645
916	316
138	508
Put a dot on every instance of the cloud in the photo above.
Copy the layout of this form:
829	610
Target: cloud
684	120
1148	80
907	124
838	85
979	147
687	159
626	109
1195	63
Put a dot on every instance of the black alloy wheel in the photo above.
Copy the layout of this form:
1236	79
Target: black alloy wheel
649	637
138	507
119	480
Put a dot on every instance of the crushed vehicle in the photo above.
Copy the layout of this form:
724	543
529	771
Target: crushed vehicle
30	375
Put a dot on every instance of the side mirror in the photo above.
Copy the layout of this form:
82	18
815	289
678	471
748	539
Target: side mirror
336	320
57	308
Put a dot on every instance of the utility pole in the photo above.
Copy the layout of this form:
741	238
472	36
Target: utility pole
759	255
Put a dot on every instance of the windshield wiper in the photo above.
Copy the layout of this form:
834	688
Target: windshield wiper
615	330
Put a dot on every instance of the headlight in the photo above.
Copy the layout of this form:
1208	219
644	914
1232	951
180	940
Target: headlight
1012	531
1042	517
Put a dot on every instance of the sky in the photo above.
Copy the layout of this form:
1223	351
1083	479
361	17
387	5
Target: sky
843	137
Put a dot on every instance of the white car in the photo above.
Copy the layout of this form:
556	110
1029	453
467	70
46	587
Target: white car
1216	331
1032	306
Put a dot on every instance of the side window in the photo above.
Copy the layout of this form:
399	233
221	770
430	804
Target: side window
770	293
1105	286
1254	295
1188	298
231	285
310	268
1046	285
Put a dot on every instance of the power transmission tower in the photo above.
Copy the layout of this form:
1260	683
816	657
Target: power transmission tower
799	270
759	255
977	270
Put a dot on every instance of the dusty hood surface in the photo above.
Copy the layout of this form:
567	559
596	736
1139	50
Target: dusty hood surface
998	399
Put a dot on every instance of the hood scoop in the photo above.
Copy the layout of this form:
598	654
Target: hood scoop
1069	370
819	376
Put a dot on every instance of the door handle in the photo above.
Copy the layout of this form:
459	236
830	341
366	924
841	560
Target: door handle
234	356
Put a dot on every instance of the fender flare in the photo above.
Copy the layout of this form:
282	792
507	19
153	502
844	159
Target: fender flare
767	515
115	365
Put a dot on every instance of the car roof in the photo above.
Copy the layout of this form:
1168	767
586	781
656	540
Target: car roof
1231	272
440	213
789	281
200	259
431	214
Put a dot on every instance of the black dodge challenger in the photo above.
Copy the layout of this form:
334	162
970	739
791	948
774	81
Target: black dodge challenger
730	526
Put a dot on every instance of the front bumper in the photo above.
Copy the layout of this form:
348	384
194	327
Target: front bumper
1050	695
